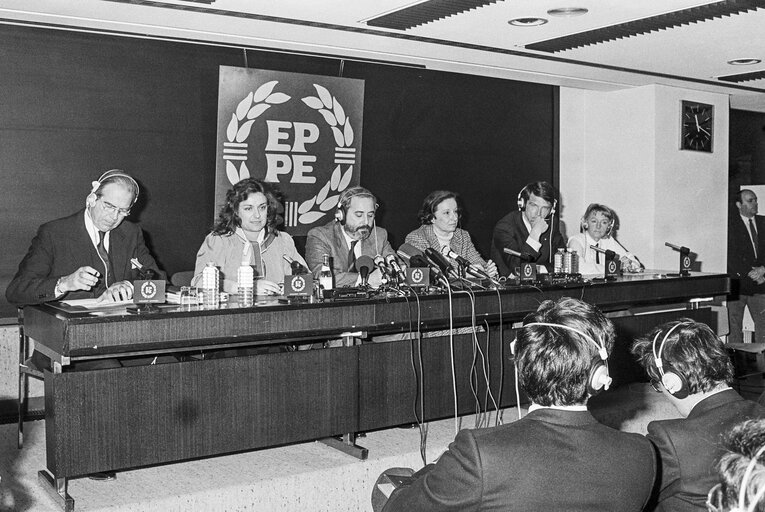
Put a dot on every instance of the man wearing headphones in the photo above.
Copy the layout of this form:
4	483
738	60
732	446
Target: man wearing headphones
688	363
91	253
527	231
558	457
350	235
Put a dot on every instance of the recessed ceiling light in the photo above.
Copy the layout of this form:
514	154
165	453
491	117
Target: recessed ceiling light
568	11
744	62
527	22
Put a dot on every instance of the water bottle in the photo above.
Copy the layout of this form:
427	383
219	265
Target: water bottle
567	262
245	282
558	261
326	278
574	262
211	285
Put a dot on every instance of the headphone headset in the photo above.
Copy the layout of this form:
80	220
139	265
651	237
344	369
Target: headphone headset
344	201
598	378
672	380
523	197
114	173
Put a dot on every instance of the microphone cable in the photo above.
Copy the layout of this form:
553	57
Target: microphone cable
415	345
499	420
451	355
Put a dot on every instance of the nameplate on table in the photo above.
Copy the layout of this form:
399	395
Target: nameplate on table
299	285
150	291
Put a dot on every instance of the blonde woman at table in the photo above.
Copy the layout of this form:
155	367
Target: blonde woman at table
597	228
246	232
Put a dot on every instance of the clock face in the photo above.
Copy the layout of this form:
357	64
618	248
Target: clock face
697	124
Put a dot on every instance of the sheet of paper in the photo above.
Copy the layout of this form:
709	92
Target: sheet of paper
95	303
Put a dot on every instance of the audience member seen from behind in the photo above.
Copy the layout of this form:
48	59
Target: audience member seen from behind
246	234
597	228
532	231
440	217
688	363
558	457
352	234
91	253
741	471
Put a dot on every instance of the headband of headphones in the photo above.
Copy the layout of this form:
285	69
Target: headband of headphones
525	194
742	507
114	173
672	380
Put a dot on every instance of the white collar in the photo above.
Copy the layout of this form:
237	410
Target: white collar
93	231
578	407
349	239
747	219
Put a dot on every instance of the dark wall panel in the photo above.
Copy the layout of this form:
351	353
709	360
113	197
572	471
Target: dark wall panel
73	105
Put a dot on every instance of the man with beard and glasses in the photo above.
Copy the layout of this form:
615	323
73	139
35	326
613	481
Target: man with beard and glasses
350	235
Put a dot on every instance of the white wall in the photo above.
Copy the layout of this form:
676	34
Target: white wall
621	148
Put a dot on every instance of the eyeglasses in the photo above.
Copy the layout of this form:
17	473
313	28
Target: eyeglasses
715	499
115	210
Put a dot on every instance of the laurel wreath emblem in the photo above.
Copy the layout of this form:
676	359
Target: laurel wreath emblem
249	109
334	114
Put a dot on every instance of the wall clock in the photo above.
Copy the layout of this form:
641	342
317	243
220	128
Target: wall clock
696	126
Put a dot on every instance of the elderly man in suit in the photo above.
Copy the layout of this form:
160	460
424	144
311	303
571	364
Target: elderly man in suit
688	363
91	253
558	457
746	266
351	234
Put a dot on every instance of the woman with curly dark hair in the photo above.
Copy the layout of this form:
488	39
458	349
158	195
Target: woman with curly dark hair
245	233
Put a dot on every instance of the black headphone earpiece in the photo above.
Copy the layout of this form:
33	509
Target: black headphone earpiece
673	381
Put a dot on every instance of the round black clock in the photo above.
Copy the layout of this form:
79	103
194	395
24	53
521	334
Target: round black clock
697	124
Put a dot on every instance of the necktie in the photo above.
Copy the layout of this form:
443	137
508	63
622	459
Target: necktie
755	238
108	271
257	260
352	256
597	254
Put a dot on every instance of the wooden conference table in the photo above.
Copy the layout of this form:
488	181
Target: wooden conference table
112	419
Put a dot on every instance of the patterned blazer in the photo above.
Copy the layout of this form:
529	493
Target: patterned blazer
424	237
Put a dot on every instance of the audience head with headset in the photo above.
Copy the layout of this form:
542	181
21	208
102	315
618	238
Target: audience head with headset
110	199
686	357
356	208
561	352
741	470
598	221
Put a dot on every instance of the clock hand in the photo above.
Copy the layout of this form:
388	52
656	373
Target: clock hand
697	122
703	130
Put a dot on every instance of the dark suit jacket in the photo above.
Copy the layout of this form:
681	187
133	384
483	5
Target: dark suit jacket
511	232
549	460
329	239
741	254
690	447
62	246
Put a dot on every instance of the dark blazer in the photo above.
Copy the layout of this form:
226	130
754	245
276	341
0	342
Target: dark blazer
62	246
690	447
741	254
511	232
549	460
329	239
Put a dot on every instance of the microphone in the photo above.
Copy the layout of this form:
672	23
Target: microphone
380	262
438	260
364	266
406	251
297	267
683	250
396	268
470	267
522	256
608	252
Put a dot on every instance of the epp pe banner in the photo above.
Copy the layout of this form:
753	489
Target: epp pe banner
302	132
